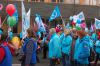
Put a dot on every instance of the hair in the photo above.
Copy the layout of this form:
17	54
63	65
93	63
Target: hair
30	32
52	30
81	33
67	31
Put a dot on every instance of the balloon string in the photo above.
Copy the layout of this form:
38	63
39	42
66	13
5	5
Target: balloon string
3	21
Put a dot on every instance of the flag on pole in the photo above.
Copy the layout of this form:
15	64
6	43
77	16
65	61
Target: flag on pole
40	23
27	19
91	28
55	14
81	16
23	20
26	23
97	23
68	26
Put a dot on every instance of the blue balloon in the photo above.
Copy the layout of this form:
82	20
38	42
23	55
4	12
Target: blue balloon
21	35
79	21
1	32
11	35
71	18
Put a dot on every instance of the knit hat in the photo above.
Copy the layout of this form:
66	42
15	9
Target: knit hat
58	28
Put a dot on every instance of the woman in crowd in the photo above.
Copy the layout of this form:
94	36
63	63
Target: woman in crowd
73	47
29	49
66	44
83	51
55	47
6	50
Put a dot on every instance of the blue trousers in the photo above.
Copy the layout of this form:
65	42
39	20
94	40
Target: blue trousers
65	60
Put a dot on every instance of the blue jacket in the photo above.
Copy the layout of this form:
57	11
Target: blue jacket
33	59
91	41
55	47
52	35
76	48
97	48
8	58
94	37
62	36
66	44
83	50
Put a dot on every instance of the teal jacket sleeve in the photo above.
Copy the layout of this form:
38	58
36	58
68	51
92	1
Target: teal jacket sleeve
85	50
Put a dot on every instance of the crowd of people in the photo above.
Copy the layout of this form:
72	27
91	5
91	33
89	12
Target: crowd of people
69	47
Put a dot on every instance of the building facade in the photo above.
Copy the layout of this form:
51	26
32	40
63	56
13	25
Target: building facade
81	2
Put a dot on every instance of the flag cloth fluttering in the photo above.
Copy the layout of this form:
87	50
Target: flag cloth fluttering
55	14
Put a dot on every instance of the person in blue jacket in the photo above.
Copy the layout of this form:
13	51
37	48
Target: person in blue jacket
73	47
94	37
6	50
83	49
29	48
55	47
66	45
97	49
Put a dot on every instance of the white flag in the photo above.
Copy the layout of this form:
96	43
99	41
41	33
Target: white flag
23	20
81	16
97	23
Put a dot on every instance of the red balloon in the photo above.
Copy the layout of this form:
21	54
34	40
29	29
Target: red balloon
73	23
10	9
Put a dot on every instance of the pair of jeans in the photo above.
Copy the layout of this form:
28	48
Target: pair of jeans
97	58
65	60
45	50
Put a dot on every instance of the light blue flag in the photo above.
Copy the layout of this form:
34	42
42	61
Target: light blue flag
81	16
23	21
97	23
91	28
68	26
55	13
40	24
16	12
27	19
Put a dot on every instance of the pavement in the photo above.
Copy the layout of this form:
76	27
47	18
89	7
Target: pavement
43	62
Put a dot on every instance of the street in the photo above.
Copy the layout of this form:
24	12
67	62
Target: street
43	62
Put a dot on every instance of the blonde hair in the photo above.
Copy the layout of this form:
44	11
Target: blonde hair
52	30
67	31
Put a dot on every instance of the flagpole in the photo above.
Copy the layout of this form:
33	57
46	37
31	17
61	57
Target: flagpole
63	21
3	21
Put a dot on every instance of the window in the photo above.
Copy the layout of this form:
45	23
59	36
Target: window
61	0
57	1
53	0
38	0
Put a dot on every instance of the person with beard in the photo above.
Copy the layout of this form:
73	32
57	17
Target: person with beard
75	37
